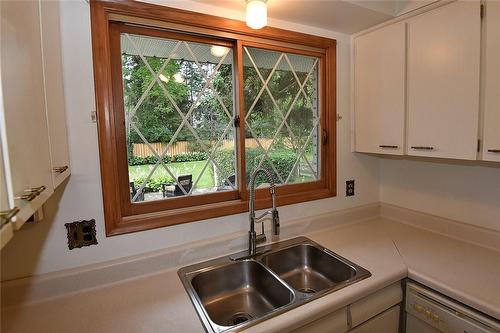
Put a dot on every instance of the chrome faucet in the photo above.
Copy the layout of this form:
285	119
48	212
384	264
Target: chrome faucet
253	238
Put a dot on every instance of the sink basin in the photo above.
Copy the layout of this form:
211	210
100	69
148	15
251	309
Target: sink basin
239	292
308	269
231	294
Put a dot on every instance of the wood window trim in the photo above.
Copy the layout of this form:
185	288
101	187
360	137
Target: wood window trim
117	219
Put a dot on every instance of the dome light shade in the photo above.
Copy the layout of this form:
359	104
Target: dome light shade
256	15
178	78
218	51
163	78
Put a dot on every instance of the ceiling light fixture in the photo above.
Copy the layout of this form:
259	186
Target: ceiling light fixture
218	51
163	78
178	78
256	13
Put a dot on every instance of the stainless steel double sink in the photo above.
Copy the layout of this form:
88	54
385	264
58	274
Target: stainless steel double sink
230	295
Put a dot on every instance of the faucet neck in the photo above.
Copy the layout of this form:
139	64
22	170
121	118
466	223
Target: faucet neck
253	237
272	190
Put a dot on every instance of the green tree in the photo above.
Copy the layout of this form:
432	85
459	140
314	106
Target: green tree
266	117
156	117
158	120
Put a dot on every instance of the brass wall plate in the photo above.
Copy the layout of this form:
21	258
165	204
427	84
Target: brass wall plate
81	233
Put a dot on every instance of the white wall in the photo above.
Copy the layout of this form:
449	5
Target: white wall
42	248
463	192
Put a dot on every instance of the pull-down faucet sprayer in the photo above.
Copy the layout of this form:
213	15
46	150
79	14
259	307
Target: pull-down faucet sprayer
253	238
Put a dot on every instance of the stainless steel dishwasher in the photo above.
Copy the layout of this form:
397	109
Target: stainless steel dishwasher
428	311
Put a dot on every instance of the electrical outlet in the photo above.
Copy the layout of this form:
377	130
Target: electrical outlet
349	188
81	233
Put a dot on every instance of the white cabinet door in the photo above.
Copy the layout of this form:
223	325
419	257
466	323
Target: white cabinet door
491	128
386	322
332	323
443	81
23	104
7	211
378	302
54	89
379	90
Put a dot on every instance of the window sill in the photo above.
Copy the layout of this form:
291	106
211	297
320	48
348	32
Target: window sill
142	222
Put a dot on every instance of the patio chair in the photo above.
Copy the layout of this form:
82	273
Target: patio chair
174	190
226	185
133	192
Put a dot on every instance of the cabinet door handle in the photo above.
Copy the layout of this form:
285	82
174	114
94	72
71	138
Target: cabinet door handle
27	197
37	190
60	169
7	215
493	150
422	147
32	193
389	146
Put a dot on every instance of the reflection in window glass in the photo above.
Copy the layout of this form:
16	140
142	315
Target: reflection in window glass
282	115
178	103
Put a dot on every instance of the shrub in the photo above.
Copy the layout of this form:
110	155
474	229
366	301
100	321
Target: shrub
137	160
283	161
226	160
153	184
184	157
191	157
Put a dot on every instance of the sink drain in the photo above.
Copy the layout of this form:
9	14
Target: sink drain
307	290
239	317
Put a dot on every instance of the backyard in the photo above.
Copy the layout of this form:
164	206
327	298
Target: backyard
283	160
138	174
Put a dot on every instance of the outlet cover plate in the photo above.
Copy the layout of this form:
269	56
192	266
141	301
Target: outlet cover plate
81	233
349	188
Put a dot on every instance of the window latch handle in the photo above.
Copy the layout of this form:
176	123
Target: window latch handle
236	121
325	137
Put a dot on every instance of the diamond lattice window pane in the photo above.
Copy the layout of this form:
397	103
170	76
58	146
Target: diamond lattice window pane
282	115
178	104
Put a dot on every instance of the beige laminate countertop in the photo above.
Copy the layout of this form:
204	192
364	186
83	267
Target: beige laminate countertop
159	303
466	272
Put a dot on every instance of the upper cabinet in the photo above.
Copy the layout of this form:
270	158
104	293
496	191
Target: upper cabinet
491	70
379	100
419	88
443	81
32	105
26	125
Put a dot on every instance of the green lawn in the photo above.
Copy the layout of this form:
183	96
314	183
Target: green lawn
139	173
177	169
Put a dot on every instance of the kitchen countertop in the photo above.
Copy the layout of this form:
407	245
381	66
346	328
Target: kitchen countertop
159	303
463	271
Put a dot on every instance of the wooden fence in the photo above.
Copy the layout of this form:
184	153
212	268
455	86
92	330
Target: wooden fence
181	147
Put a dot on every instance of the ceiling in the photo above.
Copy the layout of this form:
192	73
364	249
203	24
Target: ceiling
347	16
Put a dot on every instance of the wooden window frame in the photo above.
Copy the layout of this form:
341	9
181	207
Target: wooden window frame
122	216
